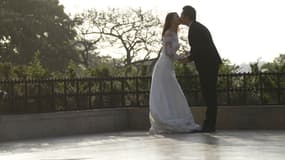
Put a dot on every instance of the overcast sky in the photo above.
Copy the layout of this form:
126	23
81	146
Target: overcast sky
243	30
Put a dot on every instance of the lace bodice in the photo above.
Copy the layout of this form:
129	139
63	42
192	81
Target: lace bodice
170	44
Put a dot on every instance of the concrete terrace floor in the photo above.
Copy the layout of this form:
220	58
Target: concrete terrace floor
138	145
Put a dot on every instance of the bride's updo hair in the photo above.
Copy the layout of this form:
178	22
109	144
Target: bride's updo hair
168	21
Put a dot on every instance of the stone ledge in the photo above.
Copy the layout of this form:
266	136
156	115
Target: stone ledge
25	126
229	117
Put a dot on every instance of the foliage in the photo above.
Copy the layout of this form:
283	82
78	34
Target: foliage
278	65
35	69
227	67
28	26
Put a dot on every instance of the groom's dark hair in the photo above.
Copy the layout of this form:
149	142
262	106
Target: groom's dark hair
190	12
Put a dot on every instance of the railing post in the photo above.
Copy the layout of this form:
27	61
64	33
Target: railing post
244	88
137	92
89	94
196	88
228	89
101	92
12	98
26	95
278	87
65	93
123	100
112	93
53	95
77	92
40	107
261	88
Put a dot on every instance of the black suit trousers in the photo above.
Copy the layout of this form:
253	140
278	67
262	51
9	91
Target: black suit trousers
208	80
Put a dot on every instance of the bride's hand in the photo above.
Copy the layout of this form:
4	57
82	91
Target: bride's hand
183	59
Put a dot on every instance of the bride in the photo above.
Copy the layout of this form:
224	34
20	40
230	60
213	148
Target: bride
169	110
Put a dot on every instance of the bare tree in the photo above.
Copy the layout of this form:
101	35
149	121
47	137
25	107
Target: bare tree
86	43
134	32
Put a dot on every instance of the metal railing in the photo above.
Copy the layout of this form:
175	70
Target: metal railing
53	95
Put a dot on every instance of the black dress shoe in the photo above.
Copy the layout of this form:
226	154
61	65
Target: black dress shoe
206	128
209	130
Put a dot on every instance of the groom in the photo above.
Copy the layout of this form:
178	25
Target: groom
207	60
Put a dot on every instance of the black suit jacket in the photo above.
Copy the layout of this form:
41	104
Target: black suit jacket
203	50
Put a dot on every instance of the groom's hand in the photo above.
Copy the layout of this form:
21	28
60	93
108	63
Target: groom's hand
184	60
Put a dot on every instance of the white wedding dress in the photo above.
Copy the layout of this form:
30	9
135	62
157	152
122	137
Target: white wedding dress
169	109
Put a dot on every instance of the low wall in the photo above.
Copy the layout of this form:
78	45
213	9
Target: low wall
14	127
25	126
229	117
